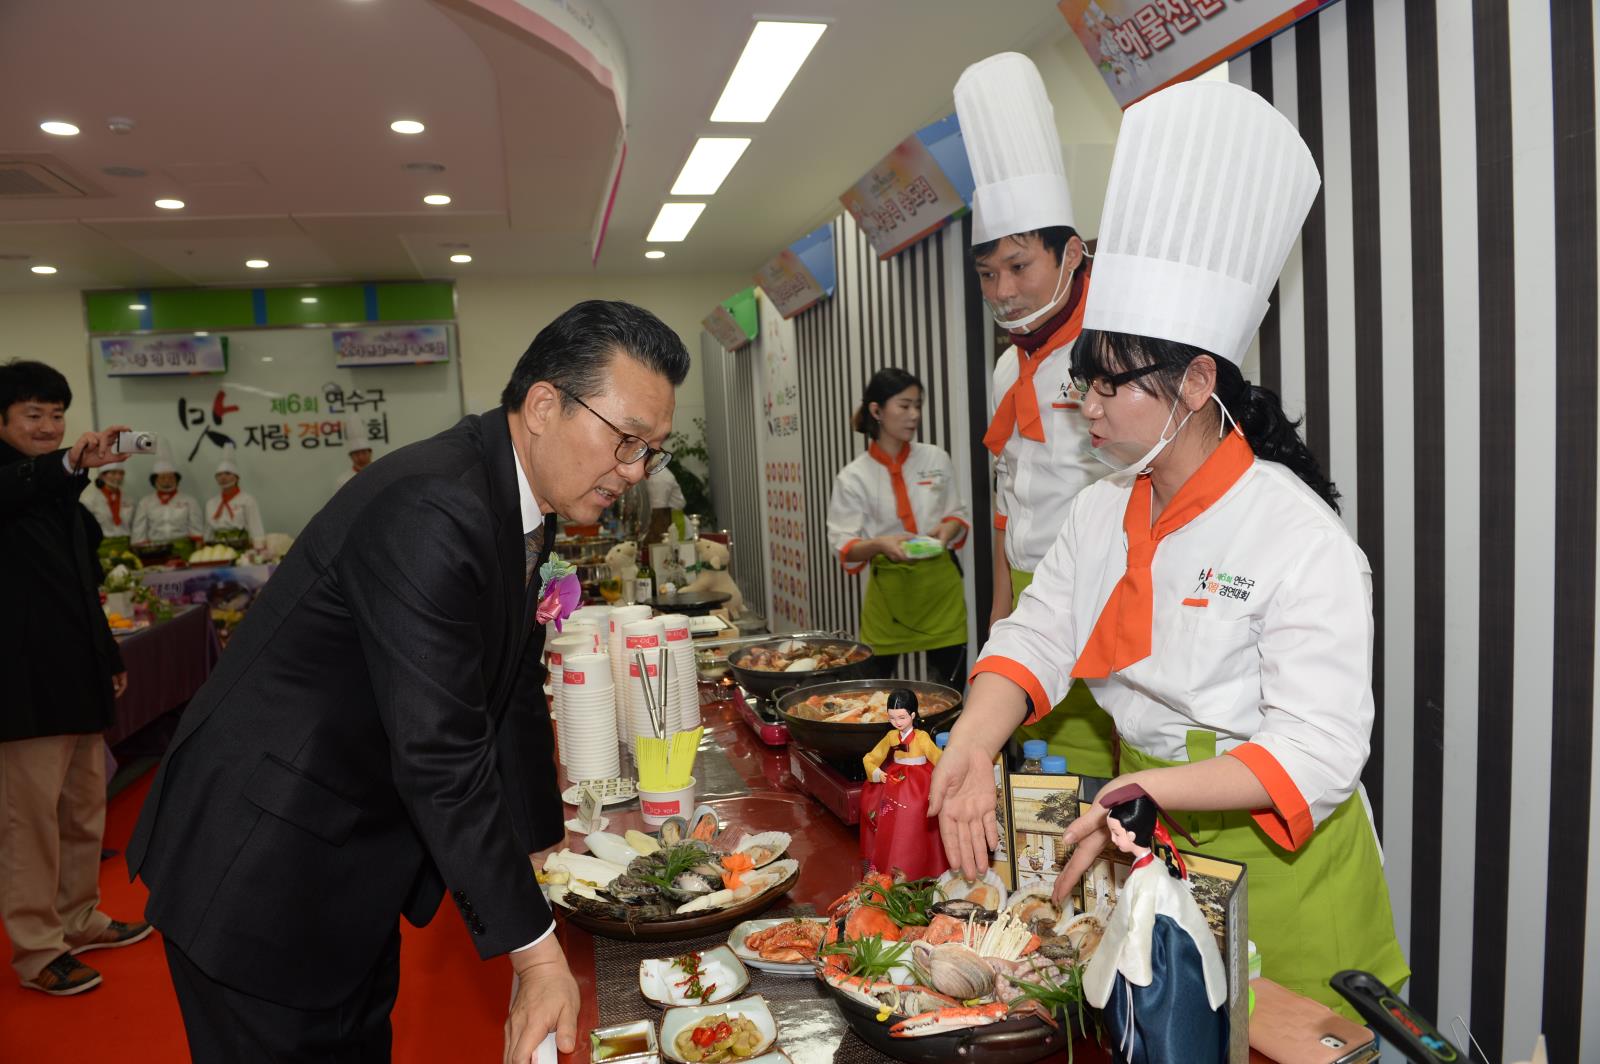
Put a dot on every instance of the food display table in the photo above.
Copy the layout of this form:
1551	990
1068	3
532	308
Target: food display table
166	664
227	590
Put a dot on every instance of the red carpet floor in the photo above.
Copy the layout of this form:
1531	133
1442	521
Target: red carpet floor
452	1006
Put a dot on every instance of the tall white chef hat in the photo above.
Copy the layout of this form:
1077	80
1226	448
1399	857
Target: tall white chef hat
1009	129
355	435
1209	186
226	465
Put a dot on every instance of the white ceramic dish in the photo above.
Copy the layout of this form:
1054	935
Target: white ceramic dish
720	969
753	1008
752	959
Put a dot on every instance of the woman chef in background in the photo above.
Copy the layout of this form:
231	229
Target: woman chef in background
1209	595
898	489
234	509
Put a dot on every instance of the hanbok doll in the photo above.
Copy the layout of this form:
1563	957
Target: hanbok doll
896	833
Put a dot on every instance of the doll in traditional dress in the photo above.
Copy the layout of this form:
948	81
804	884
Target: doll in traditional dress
1157	976
896	834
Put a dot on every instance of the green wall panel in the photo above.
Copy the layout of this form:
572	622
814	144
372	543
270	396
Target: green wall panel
175	309
334	303
416	302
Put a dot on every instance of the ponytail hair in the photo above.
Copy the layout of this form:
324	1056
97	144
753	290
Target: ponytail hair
1258	411
884	385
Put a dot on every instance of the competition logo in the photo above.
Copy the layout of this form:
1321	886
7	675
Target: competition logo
1224	585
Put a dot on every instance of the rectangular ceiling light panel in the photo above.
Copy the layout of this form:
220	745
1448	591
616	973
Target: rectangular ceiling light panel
771	58
674	222
708	165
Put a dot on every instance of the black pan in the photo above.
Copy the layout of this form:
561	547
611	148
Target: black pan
763	684
853	741
1013	1041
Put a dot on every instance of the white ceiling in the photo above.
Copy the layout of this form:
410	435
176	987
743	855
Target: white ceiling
270	120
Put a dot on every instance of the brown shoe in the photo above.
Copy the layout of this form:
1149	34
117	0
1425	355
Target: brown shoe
116	935
64	976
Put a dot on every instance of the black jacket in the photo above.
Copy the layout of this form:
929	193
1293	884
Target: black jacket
57	655
375	731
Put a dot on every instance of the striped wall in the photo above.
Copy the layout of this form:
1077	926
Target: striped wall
1436	327
731	441
908	312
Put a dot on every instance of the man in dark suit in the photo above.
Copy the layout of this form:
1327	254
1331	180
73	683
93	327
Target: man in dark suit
376	733
60	673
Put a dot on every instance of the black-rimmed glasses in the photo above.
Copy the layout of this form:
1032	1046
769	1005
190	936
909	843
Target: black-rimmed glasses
1107	386
630	448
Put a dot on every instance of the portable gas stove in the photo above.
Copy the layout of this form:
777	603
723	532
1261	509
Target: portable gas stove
828	783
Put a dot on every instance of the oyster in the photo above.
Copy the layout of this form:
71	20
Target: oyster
953	969
692	885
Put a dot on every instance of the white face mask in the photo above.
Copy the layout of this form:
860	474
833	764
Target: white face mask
1114	454
1063	282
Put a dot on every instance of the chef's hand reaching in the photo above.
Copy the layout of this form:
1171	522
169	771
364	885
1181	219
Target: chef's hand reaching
893	546
1088	833
961	795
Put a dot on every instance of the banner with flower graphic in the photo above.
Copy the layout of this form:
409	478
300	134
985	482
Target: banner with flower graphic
392	345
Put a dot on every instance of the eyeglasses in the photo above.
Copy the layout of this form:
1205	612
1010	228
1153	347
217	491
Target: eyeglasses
1107	386
630	448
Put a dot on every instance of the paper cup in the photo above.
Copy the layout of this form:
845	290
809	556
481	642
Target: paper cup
657	806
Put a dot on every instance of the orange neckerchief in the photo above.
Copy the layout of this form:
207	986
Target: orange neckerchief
1121	636
897	480
166	496
227	497
1019	409
113	500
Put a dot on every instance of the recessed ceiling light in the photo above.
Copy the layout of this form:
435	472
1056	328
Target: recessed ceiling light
170	204
257	264
137	306
708	165
308	299
771	58
59	129
436	199
656	254
461	258
266	358
674	222
408	126
202	332
42	269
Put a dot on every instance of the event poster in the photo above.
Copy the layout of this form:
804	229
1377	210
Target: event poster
391	345
783	481
734	322
903	199
802	274
1140	46
163	356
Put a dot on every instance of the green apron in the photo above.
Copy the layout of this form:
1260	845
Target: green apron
1077	728
911	606
1312	912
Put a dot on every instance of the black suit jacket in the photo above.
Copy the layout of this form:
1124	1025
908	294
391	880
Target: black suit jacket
375	731
56	652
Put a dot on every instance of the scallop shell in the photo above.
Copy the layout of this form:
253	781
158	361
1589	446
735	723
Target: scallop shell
641	843
988	892
766	878
609	847
673	830
1085	931
1034	905
764	848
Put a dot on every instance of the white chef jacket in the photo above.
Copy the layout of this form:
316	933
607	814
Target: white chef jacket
665	491
1261	632
157	522
1036	482
94	500
246	515
862	504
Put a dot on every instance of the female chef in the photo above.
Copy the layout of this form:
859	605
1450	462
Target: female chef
233	509
104	500
896	490
1209	595
168	514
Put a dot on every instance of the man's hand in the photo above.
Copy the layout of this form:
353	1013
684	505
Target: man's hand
546	1000
892	546
961	794
96	448
119	684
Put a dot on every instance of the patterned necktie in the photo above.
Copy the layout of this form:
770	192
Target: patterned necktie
532	544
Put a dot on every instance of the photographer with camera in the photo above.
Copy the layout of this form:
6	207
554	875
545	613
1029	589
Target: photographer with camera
63	673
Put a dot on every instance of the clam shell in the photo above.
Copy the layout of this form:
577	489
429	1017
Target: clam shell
764	848
673	830
609	847
954	969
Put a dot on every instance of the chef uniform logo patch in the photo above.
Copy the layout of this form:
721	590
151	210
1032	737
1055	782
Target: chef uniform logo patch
1224	585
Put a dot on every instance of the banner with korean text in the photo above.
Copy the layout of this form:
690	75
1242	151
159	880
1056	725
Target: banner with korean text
914	190
162	356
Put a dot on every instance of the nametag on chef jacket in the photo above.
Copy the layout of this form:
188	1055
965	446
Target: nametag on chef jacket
1066	398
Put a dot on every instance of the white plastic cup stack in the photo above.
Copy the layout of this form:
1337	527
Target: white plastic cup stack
619	618
648	638
599	616
589	630
589	725
683	696
556	652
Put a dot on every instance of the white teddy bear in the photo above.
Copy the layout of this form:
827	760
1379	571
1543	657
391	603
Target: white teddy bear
713	575
623	561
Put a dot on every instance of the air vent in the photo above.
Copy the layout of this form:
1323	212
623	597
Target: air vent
28	180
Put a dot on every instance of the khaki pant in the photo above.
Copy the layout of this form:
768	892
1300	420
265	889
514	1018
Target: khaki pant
52	817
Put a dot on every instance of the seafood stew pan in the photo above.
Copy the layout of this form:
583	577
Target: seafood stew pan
763	683
857	740
1014	1041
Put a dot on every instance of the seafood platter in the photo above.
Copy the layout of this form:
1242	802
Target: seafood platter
844	720
931	970
689	878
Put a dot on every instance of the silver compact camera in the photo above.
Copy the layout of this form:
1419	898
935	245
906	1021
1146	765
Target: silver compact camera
136	442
